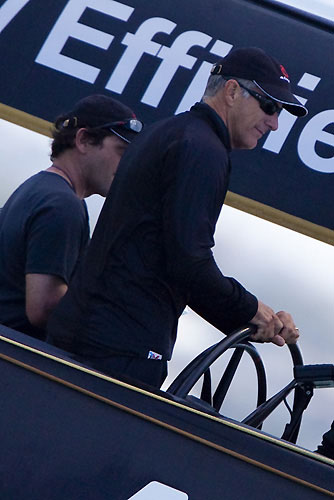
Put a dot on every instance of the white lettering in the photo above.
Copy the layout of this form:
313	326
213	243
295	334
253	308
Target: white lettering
68	26
196	89
138	44
309	81
159	491
276	139
172	58
313	132
286	120
9	10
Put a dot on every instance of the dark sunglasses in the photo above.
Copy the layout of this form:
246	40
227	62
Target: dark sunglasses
269	106
132	125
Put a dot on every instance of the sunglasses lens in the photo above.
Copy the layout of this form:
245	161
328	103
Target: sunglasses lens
135	125
270	107
267	105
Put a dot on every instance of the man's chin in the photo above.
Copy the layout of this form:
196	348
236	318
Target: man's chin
249	146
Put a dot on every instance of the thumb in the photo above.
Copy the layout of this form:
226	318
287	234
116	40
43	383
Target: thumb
278	340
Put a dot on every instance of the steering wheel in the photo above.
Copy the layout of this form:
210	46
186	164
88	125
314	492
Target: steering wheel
238	340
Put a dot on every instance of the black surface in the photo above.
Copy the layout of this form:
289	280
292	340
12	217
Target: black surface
57	442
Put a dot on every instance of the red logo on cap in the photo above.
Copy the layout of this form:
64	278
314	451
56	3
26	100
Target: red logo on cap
284	71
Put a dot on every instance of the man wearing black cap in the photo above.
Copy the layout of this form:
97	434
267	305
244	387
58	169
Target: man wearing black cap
44	224
150	254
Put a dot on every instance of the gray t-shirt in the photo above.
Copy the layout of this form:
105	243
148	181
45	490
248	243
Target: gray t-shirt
43	229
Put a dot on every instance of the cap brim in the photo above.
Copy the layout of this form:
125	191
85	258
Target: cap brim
286	98
127	135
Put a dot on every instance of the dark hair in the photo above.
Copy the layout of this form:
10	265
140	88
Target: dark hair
89	113
64	137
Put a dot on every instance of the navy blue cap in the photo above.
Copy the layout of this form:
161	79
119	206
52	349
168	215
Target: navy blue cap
252	63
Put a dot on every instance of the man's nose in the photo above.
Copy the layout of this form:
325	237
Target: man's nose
272	121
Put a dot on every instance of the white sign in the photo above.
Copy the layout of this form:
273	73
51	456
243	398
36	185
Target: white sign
159	491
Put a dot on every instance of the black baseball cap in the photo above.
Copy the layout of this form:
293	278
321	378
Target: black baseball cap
100	111
252	63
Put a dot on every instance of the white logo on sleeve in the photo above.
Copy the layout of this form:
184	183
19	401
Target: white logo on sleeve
154	355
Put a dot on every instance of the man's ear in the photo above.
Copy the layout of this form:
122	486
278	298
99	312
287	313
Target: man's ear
81	140
231	88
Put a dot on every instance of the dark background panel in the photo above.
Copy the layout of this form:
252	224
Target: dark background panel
301	43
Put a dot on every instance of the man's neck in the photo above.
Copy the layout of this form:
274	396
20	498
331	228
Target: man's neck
216	104
71	173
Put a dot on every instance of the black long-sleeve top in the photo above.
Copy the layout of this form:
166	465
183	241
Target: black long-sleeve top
150	253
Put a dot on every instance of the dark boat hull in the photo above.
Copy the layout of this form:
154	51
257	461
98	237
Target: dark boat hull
70	433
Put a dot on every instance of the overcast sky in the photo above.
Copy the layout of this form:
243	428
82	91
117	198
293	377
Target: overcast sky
284	269
323	8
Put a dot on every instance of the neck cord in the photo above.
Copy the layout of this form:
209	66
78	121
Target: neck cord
67	175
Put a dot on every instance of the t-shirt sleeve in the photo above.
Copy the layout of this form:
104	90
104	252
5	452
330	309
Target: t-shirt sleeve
57	235
196	180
